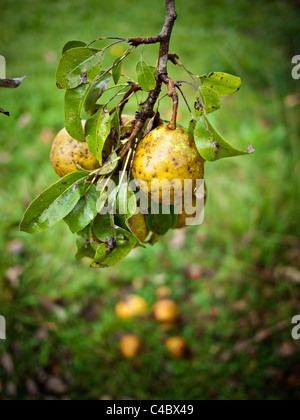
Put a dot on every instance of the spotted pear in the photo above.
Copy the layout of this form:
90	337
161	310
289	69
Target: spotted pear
164	159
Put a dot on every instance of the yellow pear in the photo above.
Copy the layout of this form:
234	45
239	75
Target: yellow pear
67	152
138	226
131	306
130	345
166	311
170	157
176	346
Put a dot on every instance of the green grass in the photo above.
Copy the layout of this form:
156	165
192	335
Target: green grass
249	237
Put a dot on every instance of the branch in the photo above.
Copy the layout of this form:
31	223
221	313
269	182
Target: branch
11	83
161	75
174	95
134	88
2	111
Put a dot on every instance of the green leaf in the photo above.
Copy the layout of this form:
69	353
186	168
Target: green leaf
115	126
107	191
211	144
222	83
126	202
126	207
117	70
102	227
83	244
73	44
100	256
85	210
161	223
97	130
110	165
192	126
210	99
74	101
54	204
117	243
145	76
96	91
153	70
78	66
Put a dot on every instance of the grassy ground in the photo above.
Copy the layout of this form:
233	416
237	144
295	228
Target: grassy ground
235	278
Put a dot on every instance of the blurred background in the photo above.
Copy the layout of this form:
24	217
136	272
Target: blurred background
235	279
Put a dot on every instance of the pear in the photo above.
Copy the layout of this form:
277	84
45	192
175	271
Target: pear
188	211
138	226
130	307
176	346
130	345
170	157
166	311
67	153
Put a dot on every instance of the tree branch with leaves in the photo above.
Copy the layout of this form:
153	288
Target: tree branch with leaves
96	159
